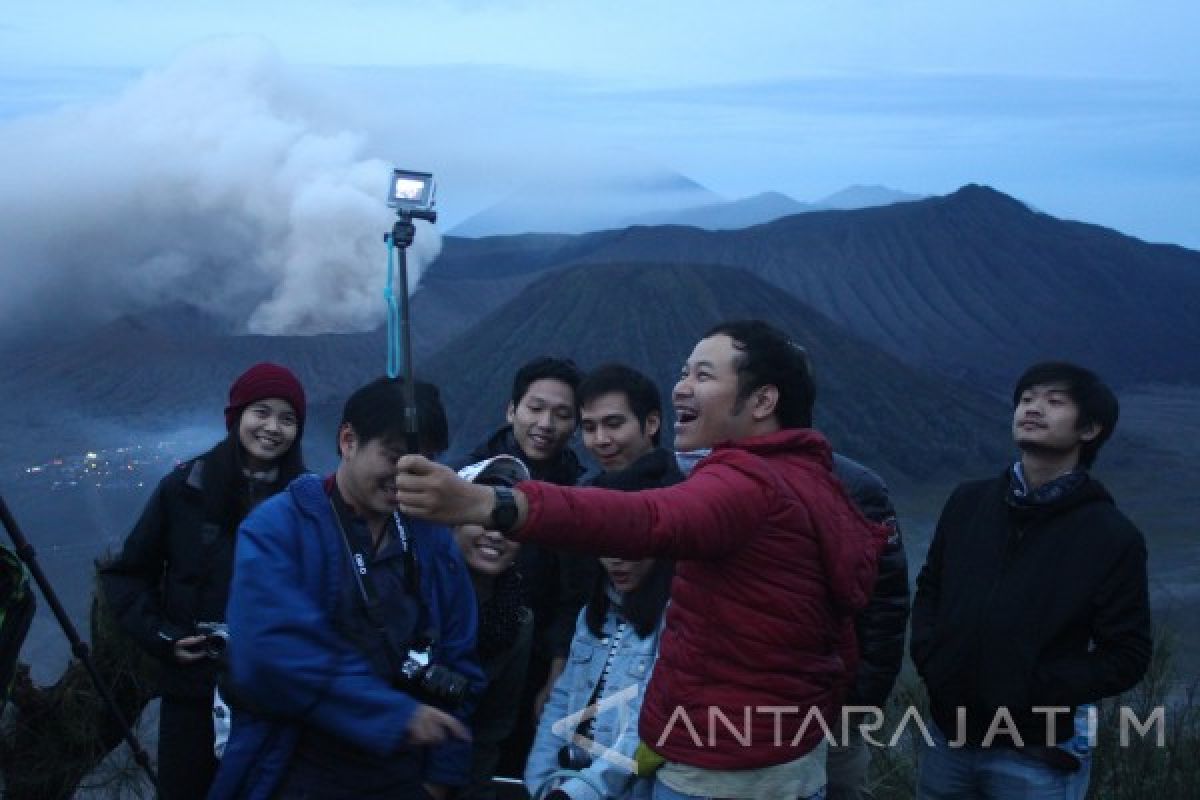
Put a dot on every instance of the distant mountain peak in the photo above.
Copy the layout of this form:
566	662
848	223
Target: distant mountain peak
587	202
865	196
981	193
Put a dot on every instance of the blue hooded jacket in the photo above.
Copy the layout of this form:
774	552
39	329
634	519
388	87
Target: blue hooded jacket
290	664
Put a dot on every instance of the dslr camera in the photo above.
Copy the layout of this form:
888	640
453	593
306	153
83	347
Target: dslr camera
216	638
431	683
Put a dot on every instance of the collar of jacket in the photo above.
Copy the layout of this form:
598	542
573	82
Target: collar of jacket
564	469
800	441
656	468
1090	491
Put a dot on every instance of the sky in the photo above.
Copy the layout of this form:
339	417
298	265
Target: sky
232	151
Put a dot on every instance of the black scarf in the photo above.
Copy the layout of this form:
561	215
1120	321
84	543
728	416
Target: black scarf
500	615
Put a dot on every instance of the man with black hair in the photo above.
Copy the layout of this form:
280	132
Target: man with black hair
620	413
1032	603
773	561
541	415
336	597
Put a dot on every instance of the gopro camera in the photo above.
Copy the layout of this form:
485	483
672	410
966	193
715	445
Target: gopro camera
413	194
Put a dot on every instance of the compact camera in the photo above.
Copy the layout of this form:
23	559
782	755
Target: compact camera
431	683
216	638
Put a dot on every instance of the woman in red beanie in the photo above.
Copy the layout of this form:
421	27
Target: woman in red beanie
169	585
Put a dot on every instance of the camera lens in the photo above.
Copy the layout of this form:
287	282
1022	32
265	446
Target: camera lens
215	645
572	756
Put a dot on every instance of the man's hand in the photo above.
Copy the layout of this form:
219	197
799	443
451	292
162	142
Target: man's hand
429	726
434	492
189	649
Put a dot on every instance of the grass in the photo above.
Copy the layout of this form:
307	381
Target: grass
1139	768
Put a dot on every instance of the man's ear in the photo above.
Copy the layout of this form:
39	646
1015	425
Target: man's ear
764	401
653	422
511	413
347	440
1091	432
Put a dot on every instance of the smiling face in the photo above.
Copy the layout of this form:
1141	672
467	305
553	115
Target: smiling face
267	429
1046	421
612	433
486	552
705	398
627	575
366	476
544	419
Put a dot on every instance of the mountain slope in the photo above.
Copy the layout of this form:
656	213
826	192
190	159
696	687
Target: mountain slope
973	284
870	404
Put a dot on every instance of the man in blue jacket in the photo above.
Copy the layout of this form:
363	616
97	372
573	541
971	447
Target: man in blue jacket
321	652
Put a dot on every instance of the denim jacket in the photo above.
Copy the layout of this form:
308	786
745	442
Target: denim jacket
615	730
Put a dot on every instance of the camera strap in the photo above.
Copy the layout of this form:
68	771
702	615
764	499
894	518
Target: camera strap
366	586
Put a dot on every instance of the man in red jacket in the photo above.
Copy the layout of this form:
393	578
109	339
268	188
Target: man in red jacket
773	562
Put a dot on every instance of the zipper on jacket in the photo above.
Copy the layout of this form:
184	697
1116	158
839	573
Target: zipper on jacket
1016	534
602	679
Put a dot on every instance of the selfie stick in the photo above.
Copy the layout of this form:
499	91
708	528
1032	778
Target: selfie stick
400	336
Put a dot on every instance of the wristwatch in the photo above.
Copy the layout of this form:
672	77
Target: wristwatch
504	513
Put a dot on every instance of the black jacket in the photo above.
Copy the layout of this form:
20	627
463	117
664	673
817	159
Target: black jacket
881	625
654	470
1030	606
562	470
556	583
174	571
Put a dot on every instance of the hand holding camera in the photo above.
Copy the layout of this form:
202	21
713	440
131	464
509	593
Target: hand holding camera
209	642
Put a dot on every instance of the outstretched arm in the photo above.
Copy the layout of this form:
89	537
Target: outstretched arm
707	517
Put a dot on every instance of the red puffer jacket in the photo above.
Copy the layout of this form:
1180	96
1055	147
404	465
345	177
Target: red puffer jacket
773	562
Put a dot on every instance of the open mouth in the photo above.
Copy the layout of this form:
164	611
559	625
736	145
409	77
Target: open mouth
685	415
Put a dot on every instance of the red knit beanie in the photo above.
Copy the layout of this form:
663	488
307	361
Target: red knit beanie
261	381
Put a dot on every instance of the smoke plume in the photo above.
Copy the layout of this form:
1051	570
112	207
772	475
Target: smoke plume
212	182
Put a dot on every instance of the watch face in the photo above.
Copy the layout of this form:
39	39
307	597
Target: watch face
505	512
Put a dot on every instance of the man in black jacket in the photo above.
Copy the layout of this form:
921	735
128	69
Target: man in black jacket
620	414
542	415
1032	602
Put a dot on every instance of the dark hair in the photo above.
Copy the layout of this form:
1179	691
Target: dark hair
639	391
543	368
643	607
376	411
769	358
228	494
1097	403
